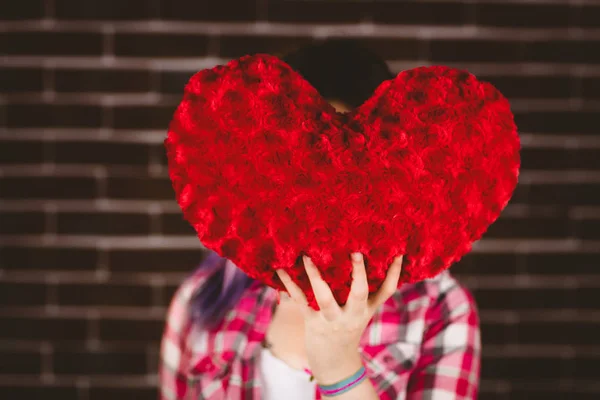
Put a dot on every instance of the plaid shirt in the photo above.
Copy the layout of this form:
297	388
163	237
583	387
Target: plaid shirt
423	343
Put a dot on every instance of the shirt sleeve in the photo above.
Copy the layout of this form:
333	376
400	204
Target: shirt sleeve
178	359
449	364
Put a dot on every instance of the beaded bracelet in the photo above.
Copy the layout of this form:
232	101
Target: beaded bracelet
343	386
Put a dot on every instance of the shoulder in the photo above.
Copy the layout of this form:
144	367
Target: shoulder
443	294
185	352
196	350
434	307
448	361
422	310
179	312
179	324
450	296
451	316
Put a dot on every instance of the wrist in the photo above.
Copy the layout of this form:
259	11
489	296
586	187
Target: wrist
329	375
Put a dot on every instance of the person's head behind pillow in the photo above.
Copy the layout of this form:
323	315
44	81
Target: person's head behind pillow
345	73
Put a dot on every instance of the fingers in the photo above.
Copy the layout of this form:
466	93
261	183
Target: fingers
359	291
390	284
295	292
327	303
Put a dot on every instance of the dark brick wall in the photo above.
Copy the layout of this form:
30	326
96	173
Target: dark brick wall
92	244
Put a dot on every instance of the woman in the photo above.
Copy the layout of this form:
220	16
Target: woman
229	337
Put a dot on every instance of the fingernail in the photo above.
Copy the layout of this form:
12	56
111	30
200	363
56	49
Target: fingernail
356	256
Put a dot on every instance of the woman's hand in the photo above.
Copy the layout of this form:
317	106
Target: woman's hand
332	334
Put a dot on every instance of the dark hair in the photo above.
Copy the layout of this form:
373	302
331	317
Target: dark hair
341	70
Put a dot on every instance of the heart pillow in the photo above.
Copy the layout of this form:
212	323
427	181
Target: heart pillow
266	170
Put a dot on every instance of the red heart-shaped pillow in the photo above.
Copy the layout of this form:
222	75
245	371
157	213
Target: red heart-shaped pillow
266	170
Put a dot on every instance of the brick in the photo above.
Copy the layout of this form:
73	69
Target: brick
563	51
540	158
587	229
15	10
168	294
224	10
590	87
160	45
173	81
587	298
386	48
39	258
3	116
534	228
100	363
100	393
101	153
140	188
558	333
522	299
487	263
549	394
561	263
106	9
574	194
589	16
48	43
520	194
415	13
498	333
20	363
107	294
344	11
16	80
488	390
161	154
582	122
531	87
102	80
21	223
130	330
21	152
475	51
174	224
587	366
103	223
49	187
525	15
22	294
154	260
39	392
585	158
234	46
53	115
522	369
395	49
52	328
143	117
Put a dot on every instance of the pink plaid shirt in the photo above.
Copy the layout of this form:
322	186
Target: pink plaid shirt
423	343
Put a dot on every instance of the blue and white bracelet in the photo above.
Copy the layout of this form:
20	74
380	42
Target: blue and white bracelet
342	386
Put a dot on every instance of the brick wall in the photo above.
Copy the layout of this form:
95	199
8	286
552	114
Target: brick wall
92	244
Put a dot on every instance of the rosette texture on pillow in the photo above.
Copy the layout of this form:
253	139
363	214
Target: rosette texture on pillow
266	170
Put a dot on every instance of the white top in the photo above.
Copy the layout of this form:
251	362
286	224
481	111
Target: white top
280	381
